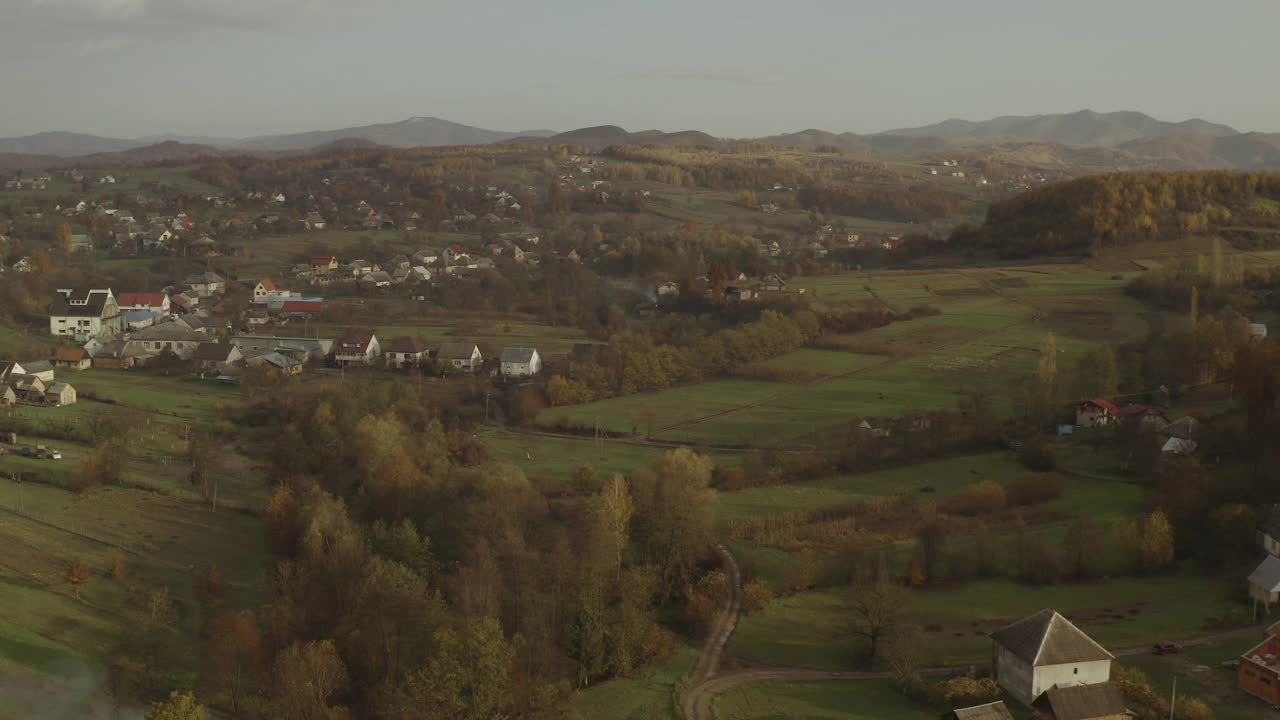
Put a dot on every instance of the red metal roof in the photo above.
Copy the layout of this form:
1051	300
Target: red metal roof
267	284
141	299
301	306
1131	410
323	259
1104	404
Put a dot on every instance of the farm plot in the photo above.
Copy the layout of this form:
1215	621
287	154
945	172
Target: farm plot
163	542
861	700
1119	613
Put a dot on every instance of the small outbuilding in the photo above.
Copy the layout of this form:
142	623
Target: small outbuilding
1264	583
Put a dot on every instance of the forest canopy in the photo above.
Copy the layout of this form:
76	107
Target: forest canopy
1085	215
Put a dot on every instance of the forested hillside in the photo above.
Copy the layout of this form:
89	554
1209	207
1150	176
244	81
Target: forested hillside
1088	214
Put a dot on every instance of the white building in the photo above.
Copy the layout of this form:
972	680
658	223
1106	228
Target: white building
520	362
84	314
463	356
357	349
1046	651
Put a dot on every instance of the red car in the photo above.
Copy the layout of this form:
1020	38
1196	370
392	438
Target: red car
1166	648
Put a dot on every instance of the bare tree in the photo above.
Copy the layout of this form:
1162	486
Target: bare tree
877	612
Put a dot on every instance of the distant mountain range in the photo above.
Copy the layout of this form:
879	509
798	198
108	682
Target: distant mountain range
1085	128
414	132
1116	139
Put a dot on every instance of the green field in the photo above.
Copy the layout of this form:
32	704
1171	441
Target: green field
166	543
649	694
552	460
835	700
990	330
806	630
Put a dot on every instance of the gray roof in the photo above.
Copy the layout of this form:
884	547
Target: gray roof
37	366
170	332
57	388
456	351
1048	638
1267	575
90	303
1083	702
213	352
518	355
991	711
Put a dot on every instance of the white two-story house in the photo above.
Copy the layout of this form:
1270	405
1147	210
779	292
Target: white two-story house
84	314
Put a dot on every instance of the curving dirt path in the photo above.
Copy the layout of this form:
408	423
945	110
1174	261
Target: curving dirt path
697	700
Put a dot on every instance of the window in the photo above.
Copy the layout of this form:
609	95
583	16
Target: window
1075	671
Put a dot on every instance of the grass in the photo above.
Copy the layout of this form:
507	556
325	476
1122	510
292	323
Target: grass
648	695
1200	674
554	459
806	630
167	543
989	332
16	344
836	700
943	475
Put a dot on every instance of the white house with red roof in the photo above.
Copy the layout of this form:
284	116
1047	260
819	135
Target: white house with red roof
156	302
1096	413
359	348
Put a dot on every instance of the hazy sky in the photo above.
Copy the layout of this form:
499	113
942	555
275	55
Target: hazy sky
729	67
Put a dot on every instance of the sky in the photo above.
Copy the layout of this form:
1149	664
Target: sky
733	68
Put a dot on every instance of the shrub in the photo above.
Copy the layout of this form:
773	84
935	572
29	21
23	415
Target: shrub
1037	454
755	595
962	692
980	498
1034	489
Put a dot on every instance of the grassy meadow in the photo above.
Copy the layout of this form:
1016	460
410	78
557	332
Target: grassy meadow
990	330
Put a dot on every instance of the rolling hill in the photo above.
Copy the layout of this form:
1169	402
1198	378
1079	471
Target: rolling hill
64	144
1247	151
1083	128
414	132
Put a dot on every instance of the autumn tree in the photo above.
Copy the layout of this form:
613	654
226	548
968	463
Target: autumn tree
306	679
468	677
674	503
1096	374
77	575
876	612
233	656
1149	541
179	706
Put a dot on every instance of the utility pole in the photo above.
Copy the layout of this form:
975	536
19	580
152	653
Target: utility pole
1173	700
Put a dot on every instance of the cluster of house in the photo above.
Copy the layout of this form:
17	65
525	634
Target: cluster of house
28	182
1053	668
740	289
1098	412
34	383
326	270
363	348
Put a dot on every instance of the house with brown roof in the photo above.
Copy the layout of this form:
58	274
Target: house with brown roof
461	356
1043	651
359	348
406	352
1103	701
324	264
71	357
264	290
216	357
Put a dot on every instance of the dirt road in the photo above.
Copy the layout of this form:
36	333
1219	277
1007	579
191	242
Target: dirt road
706	682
